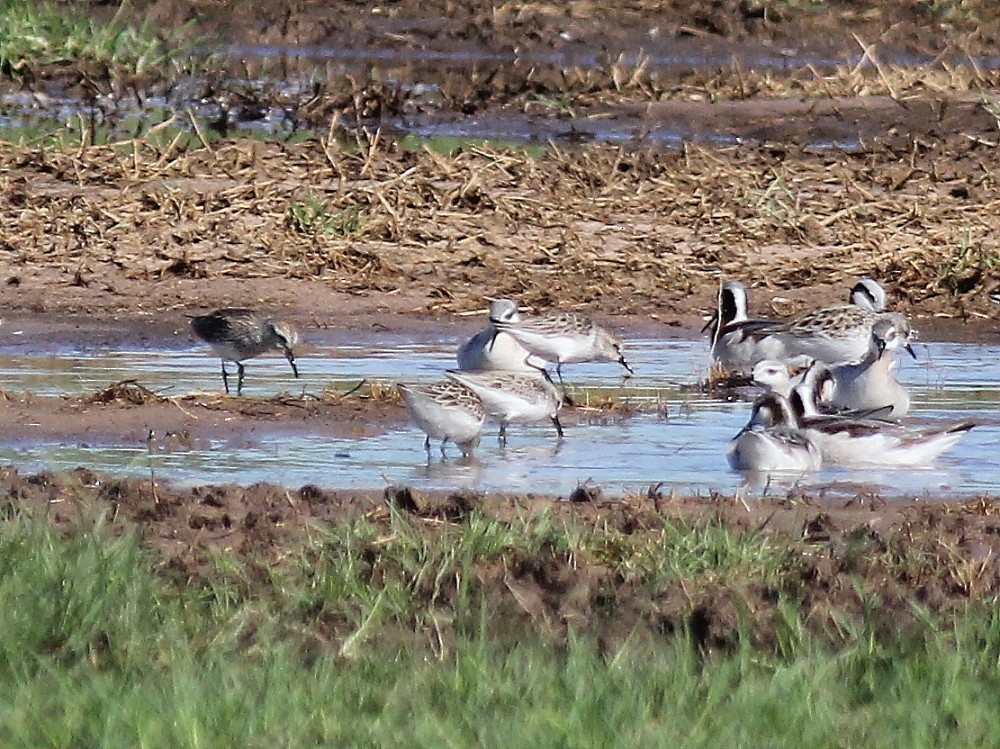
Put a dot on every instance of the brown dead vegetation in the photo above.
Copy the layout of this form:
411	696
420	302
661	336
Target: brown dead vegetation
612	230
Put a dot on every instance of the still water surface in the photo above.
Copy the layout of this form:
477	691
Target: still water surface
678	443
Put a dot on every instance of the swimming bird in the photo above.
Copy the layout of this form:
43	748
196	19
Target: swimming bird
869	383
739	341
868	294
772	441
734	347
491	349
446	410
807	390
514	397
565	338
774	376
868	440
237	334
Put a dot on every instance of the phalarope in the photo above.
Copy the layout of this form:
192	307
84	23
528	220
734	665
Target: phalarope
490	349
514	397
868	294
869	383
237	334
772	441
446	411
734	347
861	442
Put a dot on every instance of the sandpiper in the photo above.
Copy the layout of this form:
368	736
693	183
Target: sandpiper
446	410
490	349
237	334
834	335
514	397
565	338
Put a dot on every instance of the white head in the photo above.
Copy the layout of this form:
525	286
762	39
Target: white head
892	332
734	305
868	294
282	335
504	310
773	375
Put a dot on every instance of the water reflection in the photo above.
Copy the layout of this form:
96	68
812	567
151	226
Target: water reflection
678	442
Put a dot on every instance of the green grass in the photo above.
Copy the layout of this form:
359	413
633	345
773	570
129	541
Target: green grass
100	648
42	33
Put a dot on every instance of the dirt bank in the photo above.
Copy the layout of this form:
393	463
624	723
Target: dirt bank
834	561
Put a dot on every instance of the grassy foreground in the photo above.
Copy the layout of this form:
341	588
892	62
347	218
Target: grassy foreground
102	647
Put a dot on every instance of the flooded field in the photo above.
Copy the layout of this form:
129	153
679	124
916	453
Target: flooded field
371	174
675	439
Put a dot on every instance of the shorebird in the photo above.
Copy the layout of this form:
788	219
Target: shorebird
867	441
834	335
491	349
565	338
739	341
869	383
237	334
446	410
868	294
772	441
734	347
514	397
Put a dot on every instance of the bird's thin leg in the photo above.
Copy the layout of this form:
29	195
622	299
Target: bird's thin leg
502	437
427	446
559	429
239	382
225	376
443	453
291	360
559	373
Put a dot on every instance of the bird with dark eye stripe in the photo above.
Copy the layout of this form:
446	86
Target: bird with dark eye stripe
237	334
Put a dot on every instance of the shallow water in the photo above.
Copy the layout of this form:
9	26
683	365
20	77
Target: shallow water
679	443
272	98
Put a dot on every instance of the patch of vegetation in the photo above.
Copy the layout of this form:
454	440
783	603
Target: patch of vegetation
969	263
312	216
102	648
41	33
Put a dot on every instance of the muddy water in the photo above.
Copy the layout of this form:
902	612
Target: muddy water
678	442
266	105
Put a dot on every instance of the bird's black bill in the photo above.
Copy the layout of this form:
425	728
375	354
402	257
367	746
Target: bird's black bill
625	364
711	322
291	360
911	352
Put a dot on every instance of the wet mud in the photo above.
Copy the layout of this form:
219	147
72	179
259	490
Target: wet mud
836	558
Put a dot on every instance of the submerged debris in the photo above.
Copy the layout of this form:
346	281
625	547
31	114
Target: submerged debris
125	392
